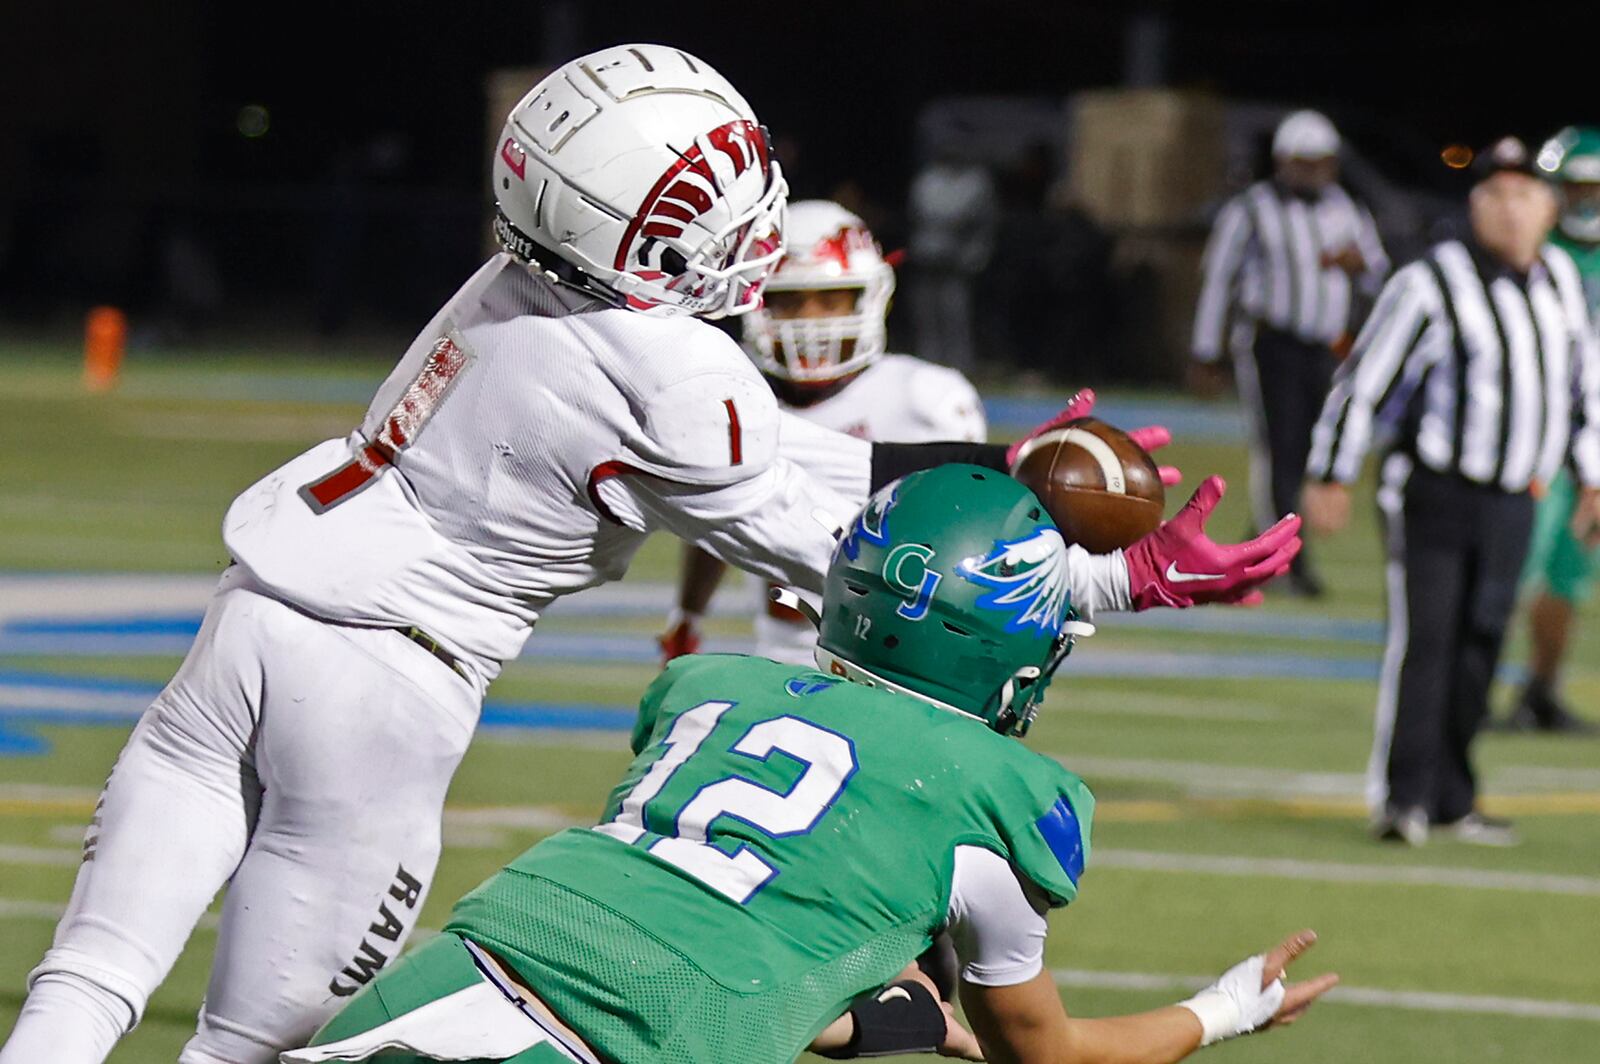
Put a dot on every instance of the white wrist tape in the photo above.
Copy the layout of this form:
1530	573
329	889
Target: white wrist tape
1235	1004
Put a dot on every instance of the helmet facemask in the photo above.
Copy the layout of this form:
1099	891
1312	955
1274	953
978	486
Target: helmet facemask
830	251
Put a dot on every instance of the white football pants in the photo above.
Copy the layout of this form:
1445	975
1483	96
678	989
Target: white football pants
303	763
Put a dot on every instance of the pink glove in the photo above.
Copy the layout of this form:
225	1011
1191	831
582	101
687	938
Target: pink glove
1078	406
1150	438
1177	565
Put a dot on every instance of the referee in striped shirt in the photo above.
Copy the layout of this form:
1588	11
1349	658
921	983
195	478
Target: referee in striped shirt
1479	372
1285	260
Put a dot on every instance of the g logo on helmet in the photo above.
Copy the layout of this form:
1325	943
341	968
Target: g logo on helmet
905	569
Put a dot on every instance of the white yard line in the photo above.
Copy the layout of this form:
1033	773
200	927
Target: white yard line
1418	1000
69	700
41	856
51	793
1347	872
16	909
13	909
45	595
1208	778
1205	777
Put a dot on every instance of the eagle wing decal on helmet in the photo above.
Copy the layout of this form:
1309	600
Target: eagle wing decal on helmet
872	524
1027	577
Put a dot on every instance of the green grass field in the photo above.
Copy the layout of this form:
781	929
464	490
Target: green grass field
1226	750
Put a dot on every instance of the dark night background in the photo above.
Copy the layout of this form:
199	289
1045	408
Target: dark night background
362	204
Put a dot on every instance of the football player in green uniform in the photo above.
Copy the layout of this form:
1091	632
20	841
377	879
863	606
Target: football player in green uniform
788	841
1560	566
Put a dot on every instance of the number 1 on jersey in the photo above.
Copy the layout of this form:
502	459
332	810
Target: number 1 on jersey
830	761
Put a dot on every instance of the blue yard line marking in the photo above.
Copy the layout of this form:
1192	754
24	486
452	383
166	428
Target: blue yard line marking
185	624
536	715
18	737
20	744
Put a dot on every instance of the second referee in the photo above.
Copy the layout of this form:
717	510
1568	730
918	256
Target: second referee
1480	364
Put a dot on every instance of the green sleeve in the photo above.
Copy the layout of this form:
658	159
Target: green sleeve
1047	831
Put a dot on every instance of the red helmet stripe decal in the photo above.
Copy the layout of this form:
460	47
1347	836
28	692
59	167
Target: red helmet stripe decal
693	195
732	139
673	210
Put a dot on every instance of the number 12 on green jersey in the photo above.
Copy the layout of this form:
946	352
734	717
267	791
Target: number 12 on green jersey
830	761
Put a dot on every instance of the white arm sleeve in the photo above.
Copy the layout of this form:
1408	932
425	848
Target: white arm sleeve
996	921
779	524
843	463
1098	582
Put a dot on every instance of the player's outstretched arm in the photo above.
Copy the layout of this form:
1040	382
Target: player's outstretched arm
699	573
1178	565
1026	1023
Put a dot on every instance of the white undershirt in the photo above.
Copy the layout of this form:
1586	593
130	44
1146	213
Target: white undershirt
996	919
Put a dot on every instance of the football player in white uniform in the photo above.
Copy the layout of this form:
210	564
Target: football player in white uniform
562	405
819	339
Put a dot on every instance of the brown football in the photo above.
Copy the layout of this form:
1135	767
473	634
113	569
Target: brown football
1102	488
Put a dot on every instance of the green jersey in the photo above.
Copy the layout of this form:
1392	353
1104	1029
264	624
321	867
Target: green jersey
1587	256
782	843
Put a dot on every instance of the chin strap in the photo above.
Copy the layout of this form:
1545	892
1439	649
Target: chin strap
1007	720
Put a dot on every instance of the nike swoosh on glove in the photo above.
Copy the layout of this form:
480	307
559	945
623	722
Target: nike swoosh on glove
1178	565
1151	437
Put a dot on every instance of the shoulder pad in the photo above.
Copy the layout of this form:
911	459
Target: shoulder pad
711	428
1046	830
945	401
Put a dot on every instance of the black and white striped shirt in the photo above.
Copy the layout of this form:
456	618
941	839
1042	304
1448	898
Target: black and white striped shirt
1475	370
1270	258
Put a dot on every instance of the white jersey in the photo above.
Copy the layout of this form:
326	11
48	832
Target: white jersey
901	399
522	449
897	399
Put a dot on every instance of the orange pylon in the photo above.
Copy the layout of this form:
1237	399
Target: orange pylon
105	339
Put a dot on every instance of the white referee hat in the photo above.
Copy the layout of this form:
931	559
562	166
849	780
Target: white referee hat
1305	135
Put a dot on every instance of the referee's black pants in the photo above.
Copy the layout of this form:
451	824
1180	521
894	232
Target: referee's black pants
1456	550
1285	381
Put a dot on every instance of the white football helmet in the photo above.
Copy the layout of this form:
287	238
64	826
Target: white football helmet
828	248
641	167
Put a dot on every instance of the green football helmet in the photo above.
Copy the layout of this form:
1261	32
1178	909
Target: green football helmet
1572	158
951	586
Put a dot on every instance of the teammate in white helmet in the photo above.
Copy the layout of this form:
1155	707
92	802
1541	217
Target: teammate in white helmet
560	407
819	339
